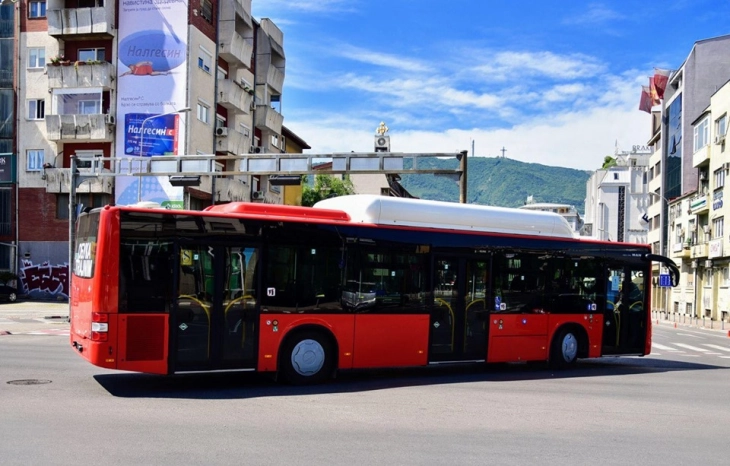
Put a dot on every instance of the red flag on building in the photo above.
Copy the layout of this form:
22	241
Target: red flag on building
661	78
645	102
653	92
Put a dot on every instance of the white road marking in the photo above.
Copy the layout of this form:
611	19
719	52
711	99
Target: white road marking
662	347
693	348
721	348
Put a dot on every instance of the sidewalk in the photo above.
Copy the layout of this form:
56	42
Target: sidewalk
682	320
33	316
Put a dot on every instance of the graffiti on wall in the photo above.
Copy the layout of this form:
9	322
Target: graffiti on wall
44	278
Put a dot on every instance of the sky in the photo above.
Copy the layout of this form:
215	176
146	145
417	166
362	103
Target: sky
551	82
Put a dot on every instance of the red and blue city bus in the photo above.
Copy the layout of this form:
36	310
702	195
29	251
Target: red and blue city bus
355	282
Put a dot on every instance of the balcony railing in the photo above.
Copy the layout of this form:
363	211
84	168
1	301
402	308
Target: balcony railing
700	251
701	156
81	75
699	204
234	143
58	180
268	118
70	128
233	47
226	189
233	96
78	22
236	10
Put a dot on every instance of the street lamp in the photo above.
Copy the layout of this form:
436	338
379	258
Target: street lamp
141	144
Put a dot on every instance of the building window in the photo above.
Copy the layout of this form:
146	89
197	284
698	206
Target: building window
203	113
74	101
702	134
95	54
725	277
36	57
34	160
206	10
718	225
36	109
89	107
37	9
220	121
205	59
719	178
721	126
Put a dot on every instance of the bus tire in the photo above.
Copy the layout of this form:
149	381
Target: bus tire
565	347
307	358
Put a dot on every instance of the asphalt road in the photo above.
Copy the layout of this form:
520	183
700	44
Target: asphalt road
669	408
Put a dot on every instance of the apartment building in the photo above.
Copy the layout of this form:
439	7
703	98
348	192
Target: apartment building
696	227
128	78
678	177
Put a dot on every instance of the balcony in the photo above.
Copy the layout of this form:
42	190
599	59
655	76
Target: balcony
699	251
234	48
235	142
226	189
276	37
268	118
58	180
236	10
699	204
79	23
679	251
275	79
233	96
86	75
701	156
74	128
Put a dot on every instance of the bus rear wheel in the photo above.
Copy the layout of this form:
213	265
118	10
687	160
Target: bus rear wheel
564	349
307	358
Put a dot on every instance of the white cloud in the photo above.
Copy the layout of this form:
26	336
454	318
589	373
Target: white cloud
578	138
596	13
379	58
513	65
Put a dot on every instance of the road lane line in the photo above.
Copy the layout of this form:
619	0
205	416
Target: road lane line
717	347
662	347
693	348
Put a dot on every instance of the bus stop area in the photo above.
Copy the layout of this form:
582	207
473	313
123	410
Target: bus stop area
45	317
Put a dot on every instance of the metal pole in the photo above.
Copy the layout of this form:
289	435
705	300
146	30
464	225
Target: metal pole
71	219
462	179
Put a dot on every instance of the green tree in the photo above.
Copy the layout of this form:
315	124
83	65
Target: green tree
325	186
608	162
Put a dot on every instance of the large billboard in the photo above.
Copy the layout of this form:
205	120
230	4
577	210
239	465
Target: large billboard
151	90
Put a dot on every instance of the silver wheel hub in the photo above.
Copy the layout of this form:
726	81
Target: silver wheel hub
570	347
307	357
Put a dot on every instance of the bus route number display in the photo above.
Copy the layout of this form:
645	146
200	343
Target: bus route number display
84	262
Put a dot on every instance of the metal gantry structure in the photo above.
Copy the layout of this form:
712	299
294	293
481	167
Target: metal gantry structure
187	170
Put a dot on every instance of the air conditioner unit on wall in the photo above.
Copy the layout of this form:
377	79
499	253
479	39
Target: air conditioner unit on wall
255	149
110	120
706	228
221	132
257	196
719	139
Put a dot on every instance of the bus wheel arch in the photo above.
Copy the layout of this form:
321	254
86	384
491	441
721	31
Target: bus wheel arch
308	355
569	343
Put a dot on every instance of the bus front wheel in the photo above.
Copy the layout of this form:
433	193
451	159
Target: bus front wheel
307	358
564	350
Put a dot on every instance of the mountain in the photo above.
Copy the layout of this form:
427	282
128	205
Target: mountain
501	182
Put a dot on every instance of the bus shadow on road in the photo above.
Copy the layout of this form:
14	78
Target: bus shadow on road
243	385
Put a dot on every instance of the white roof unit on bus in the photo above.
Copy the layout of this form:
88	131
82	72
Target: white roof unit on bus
382	210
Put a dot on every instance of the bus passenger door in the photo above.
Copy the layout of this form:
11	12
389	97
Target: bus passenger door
625	320
459	315
214	322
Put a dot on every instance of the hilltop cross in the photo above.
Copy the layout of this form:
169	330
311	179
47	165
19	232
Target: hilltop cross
503	150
